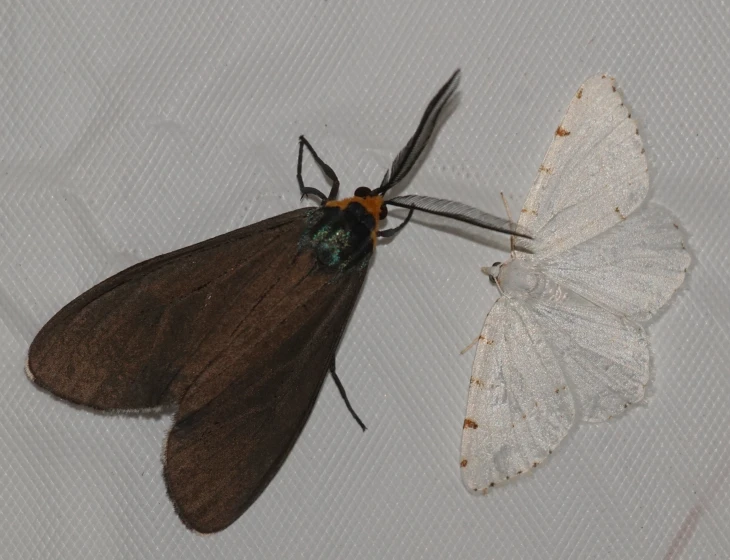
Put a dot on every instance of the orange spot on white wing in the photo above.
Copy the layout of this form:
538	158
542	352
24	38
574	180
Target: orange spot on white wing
469	423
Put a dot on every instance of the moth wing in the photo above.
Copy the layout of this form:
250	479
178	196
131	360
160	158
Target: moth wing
519	407
631	269
239	420
593	175
604	356
136	340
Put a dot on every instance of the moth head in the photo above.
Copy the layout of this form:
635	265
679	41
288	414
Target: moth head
366	192
492	272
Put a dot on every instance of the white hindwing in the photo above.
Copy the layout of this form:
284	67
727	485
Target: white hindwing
604	357
631	269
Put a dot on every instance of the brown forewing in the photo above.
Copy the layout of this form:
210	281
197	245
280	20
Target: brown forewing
239	419
239	330
139	339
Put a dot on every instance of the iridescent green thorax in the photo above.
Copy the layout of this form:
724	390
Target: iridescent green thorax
341	237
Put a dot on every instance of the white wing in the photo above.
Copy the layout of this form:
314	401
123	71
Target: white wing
604	357
519	407
593	176
631	269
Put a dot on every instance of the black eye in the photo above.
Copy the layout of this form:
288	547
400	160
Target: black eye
363	192
497	264
383	212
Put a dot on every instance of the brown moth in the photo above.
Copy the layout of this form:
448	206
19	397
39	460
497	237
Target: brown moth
238	332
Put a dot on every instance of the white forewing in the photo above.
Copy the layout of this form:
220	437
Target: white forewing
593	176
604	357
519	408
631	269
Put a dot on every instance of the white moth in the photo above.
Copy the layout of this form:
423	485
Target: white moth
563	339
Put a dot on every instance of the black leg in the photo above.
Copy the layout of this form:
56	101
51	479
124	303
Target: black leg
326	169
391	232
305	191
341	388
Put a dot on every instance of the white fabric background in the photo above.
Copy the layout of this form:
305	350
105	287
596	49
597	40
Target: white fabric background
128	129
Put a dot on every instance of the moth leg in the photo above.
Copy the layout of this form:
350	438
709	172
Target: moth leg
341	389
472	343
326	169
392	231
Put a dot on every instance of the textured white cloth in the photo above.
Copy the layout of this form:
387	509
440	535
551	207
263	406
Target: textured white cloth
131	129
